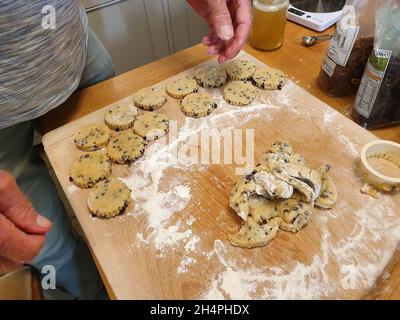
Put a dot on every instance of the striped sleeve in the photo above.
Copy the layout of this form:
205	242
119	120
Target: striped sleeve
39	67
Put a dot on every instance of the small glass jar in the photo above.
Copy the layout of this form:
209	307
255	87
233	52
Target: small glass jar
269	20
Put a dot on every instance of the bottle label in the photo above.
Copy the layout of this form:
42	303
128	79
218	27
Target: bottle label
345	36
372	81
328	66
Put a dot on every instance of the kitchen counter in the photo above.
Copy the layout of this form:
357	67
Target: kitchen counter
302	65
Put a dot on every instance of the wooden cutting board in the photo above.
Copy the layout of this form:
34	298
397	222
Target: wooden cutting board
172	242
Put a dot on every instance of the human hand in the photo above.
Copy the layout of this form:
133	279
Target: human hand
22	229
229	23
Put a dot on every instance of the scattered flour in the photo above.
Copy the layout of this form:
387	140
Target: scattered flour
349	145
170	236
158	206
190	246
162	204
361	269
167	228
72	188
360	258
185	263
302	282
190	221
140	239
329	116
285	96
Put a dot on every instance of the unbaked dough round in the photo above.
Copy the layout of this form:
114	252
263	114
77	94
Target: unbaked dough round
211	76
109	198
89	169
121	117
198	104
181	87
151	125
240	93
269	78
150	98
240	69
126	147
92	137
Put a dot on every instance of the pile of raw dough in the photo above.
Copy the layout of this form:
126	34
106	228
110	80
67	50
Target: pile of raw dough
280	193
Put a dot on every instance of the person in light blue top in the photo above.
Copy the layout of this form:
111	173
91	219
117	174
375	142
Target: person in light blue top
39	70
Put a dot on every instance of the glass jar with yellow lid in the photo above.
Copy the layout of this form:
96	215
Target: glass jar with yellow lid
269	19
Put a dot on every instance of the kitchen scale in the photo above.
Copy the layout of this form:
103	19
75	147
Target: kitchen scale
318	15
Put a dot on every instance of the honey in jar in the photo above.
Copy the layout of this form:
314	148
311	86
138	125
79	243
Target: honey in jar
269	19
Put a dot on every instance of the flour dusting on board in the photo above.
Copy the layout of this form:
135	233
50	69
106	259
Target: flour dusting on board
301	282
185	263
349	145
72	188
158	206
168	228
329	116
357	268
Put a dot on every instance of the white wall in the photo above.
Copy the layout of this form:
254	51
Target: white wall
137	32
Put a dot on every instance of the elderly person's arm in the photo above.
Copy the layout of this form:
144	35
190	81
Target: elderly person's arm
229	23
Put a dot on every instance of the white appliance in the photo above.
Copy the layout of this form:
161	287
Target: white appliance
318	15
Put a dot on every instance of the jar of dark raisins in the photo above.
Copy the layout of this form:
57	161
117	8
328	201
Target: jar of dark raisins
345	80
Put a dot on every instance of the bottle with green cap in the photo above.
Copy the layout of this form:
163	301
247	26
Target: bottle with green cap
378	98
